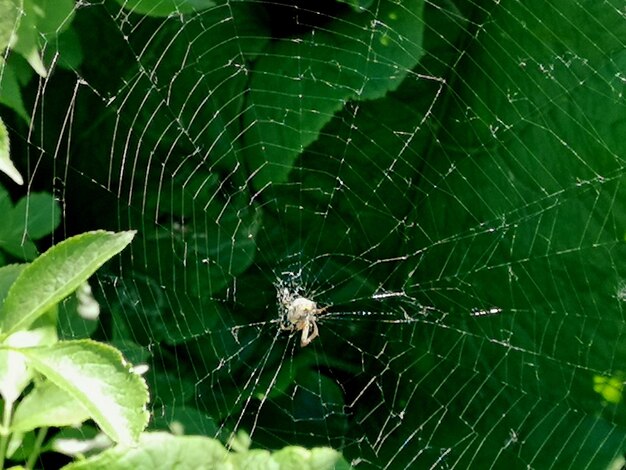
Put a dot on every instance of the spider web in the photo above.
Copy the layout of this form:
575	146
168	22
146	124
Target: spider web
446	178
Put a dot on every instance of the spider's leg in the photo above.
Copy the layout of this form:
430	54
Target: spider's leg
305	332
315	334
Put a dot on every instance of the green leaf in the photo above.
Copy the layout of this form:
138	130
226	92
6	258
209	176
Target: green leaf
10	91
27	44
34	216
14	373
47	405
41	17
56	274
8	275
39	213
6	165
298	85
165	451
9	18
318	458
53	17
160	451
256	459
20	447
96	376
165	8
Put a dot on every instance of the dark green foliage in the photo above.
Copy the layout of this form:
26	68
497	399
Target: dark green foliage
448	178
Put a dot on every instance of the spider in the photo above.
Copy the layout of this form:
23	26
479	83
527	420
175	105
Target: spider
301	316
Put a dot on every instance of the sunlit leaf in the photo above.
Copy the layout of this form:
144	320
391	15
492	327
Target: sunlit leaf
96	376
47	405
165	8
6	165
56	274
159	451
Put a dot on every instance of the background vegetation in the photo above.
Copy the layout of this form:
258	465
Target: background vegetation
467	158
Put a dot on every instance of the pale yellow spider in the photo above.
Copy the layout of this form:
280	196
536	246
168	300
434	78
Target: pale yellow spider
301	316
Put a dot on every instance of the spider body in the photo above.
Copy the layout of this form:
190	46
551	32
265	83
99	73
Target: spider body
301	315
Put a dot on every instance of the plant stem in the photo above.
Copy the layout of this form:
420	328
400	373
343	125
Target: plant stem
41	435
4	432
